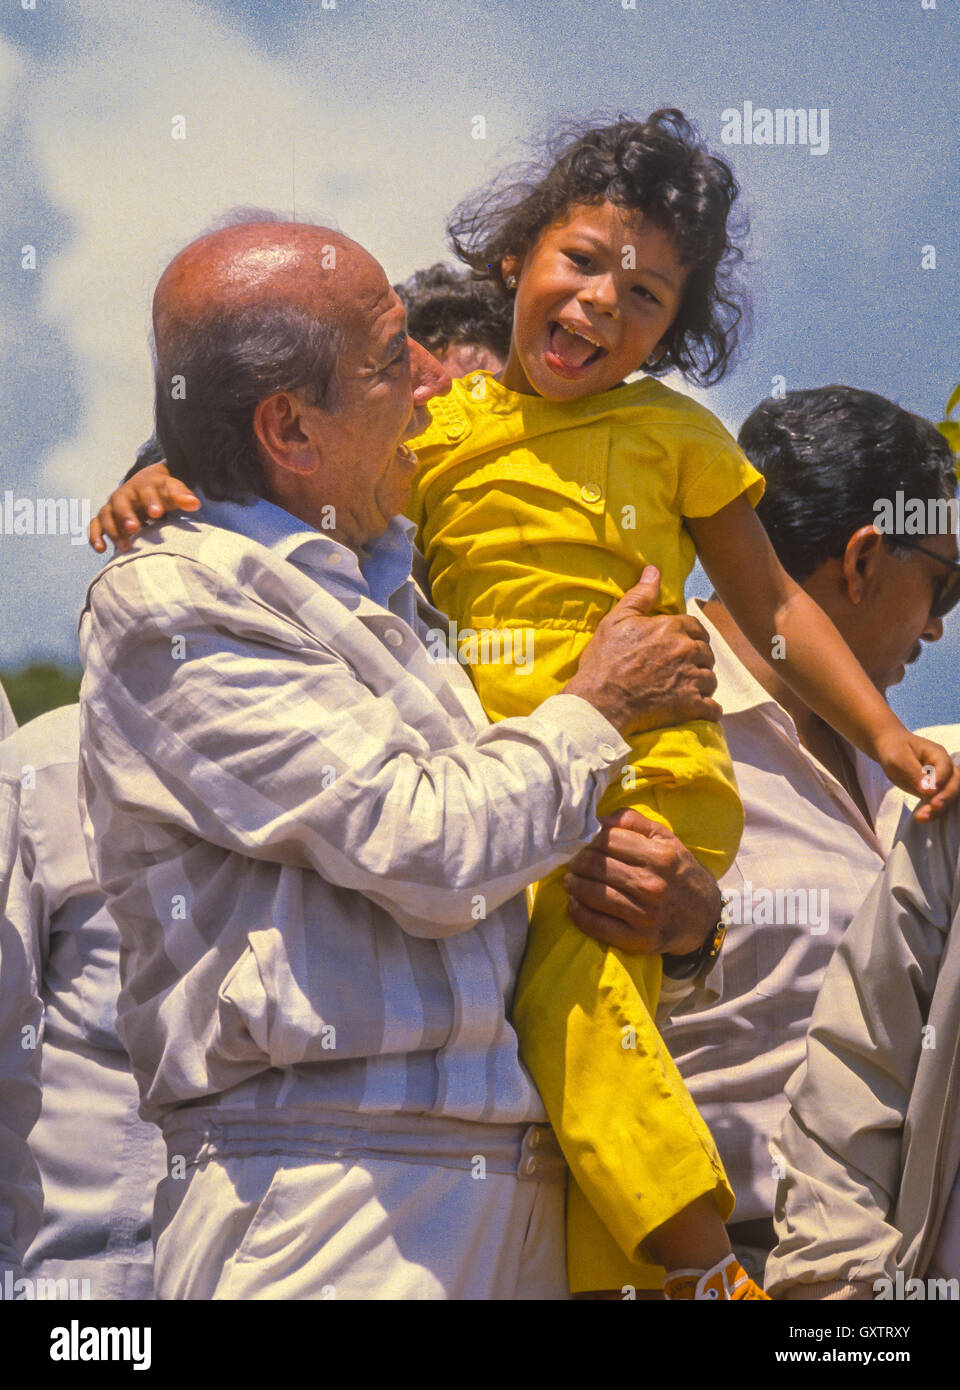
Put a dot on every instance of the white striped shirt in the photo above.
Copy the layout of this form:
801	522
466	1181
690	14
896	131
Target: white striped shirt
313	842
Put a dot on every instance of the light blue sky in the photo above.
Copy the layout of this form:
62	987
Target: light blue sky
363	115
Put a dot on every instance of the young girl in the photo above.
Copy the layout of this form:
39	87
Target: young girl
543	495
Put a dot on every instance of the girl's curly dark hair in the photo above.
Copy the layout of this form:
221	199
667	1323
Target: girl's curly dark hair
659	167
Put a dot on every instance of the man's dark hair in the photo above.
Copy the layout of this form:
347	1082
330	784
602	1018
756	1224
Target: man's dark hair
446	306
213	374
658	169
829	456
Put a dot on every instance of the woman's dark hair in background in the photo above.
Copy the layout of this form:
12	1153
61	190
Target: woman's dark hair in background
829	456
447	306
660	169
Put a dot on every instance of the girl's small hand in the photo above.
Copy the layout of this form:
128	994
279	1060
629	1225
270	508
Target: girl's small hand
148	496
922	767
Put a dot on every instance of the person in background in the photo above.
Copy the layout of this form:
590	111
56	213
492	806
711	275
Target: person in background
465	323
21	1194
820	817
868	1204
98	1161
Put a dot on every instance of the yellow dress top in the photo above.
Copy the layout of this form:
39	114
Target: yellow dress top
535	514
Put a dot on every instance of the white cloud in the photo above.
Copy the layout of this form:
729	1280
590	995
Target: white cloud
103	141
259	130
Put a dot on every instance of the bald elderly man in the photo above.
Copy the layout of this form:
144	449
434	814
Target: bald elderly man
313	843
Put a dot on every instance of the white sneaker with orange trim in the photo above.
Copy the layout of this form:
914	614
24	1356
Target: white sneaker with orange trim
727	1280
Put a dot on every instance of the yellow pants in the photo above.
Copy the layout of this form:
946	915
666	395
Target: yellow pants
636	1146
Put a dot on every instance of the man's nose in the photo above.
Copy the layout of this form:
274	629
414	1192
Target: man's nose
428	377
933	630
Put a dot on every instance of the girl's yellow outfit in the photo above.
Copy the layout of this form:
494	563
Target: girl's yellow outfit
535	517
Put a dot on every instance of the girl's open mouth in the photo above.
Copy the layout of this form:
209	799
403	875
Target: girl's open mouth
569	351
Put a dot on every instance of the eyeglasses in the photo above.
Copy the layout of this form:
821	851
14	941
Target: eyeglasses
947	593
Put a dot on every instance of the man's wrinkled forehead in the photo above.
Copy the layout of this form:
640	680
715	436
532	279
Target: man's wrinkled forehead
371	316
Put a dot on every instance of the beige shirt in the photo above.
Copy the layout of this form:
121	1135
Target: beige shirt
21	1194
806	862
99	1163
870	1147
945	1258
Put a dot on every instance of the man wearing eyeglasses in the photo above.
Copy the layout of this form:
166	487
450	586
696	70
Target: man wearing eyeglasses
820	817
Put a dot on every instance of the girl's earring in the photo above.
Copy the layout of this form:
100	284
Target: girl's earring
511	282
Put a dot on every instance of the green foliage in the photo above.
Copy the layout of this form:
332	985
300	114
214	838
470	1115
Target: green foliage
40	687
950	429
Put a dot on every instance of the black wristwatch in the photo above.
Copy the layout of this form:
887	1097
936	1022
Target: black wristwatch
686	967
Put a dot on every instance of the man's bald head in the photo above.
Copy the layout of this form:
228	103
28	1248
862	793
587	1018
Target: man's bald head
240	314
261	263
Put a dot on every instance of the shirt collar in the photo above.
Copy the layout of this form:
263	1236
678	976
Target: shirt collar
738	690
376	571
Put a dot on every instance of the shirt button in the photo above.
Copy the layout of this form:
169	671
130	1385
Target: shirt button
590	492
333	558
608	751
393	637
456	430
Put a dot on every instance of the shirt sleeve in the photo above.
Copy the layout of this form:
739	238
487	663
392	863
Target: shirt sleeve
699	991
286	755
714	471
21	1196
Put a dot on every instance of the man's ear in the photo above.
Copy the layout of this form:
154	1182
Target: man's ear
283	427
860	562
